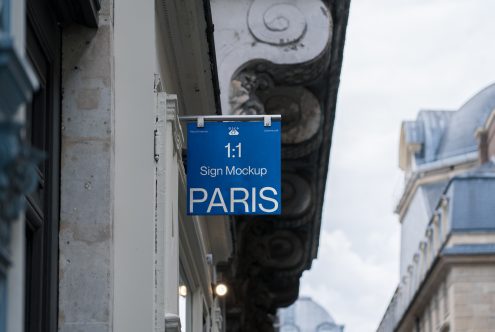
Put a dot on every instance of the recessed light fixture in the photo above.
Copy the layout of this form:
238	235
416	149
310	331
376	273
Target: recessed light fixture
183	290
221	289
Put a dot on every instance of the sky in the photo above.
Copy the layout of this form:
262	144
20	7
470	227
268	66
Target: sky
400	56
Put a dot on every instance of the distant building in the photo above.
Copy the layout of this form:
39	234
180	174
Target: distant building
305	315
447	216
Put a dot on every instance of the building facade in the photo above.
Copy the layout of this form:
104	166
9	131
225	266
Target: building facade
305	315
447	262
94	234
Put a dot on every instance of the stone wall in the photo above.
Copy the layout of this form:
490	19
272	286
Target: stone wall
435	315
473	291
86	220
463	301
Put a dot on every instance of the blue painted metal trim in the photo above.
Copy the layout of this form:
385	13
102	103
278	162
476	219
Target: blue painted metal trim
4	16
17	159
472	230
17	80
470	249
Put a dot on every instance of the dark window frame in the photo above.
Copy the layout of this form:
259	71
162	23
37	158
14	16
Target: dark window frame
43	46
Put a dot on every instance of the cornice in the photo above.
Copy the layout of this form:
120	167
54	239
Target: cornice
421	177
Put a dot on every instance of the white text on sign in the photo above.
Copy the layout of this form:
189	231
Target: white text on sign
251	201
233	171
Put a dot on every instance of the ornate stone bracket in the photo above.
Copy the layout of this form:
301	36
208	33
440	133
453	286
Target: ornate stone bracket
287	40
277	61
302	118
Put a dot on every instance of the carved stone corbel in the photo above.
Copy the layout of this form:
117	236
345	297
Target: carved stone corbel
298	206
277	61
287	40
302	118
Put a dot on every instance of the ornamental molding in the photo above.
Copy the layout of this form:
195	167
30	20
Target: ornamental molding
287	40
280	57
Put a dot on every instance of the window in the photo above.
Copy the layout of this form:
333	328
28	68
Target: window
43	40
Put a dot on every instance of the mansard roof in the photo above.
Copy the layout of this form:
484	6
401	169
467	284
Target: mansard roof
423	136
459	138
437	135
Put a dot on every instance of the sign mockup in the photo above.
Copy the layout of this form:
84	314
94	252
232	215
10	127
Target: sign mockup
233	168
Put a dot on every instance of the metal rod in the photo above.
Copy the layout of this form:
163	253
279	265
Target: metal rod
190	118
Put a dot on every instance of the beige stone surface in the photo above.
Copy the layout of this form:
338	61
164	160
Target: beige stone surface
86	213
473	288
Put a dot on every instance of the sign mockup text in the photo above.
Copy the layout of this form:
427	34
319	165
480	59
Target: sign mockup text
233	168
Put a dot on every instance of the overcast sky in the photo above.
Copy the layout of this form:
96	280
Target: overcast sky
400	56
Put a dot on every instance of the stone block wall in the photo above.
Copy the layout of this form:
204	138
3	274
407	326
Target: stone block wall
473	297
436	313
86	216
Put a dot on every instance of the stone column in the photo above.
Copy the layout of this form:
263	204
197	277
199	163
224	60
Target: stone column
86	216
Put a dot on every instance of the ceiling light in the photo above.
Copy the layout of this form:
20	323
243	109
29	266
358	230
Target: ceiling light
221	289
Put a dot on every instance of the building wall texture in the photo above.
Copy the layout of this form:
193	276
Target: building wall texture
412	230
86	223
473	297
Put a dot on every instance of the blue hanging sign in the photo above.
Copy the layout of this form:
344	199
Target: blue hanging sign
233	168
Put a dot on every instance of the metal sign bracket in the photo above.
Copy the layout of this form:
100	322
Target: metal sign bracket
201	119
267	121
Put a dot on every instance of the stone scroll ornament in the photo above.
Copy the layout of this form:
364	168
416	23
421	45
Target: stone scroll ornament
301	112
276	23
287	39
264	244
264	66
